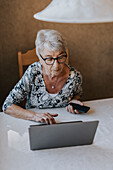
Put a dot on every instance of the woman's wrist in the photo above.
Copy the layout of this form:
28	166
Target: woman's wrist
77	97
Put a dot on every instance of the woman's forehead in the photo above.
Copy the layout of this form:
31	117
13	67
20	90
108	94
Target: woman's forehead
52	53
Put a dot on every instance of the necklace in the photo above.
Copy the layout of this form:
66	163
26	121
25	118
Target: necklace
54	84
53	87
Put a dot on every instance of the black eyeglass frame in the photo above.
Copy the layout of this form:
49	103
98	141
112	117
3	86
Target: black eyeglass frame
54	59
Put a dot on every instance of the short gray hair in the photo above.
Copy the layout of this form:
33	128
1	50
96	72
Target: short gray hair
51	40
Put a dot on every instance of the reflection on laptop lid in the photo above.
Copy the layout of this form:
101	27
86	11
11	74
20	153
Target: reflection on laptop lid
62	134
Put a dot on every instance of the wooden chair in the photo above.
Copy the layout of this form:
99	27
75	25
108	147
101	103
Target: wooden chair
28	58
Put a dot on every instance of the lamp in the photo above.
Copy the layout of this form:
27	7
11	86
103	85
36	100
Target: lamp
77	11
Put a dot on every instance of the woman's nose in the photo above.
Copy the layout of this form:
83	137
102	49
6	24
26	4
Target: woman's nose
56	64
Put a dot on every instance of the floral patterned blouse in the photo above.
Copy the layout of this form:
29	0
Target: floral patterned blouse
32	86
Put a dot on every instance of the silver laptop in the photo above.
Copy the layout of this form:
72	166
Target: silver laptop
62	134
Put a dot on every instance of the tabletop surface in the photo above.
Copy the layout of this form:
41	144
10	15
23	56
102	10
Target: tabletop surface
15	153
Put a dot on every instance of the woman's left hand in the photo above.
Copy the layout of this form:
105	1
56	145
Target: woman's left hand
70	109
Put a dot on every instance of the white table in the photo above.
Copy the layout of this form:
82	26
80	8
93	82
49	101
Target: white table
15	153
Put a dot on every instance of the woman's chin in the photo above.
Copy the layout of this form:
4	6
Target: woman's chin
56	73
53	73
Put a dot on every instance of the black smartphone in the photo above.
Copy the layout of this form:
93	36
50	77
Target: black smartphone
82	109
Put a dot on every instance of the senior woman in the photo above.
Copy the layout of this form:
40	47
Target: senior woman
47	83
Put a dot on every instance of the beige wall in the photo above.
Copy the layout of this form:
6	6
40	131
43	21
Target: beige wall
90	47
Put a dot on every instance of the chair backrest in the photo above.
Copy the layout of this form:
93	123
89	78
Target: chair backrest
28	58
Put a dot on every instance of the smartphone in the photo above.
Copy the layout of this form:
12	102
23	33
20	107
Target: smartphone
82	109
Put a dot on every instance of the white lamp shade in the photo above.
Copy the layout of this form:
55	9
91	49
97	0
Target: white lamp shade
77	11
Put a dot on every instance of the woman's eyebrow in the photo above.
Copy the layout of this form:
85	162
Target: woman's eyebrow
62	52
48	55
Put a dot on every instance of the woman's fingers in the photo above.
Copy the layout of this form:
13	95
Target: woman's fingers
42	120
47	121
70	109
52	120
48	118
73	111
53	115
77	112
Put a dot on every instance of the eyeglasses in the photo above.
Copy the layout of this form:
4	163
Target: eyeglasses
60	59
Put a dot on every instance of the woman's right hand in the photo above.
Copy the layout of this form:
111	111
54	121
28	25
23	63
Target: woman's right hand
48	118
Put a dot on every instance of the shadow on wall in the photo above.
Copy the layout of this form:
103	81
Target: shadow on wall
90	47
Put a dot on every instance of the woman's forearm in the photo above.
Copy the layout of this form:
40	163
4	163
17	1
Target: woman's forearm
18	112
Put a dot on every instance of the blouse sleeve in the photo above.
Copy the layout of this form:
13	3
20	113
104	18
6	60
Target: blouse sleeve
20	90
78	84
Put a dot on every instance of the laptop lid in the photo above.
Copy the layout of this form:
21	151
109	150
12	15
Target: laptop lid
62	134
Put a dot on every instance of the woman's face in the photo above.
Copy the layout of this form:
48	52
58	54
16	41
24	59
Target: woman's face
56	68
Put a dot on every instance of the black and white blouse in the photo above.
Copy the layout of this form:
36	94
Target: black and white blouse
32	86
